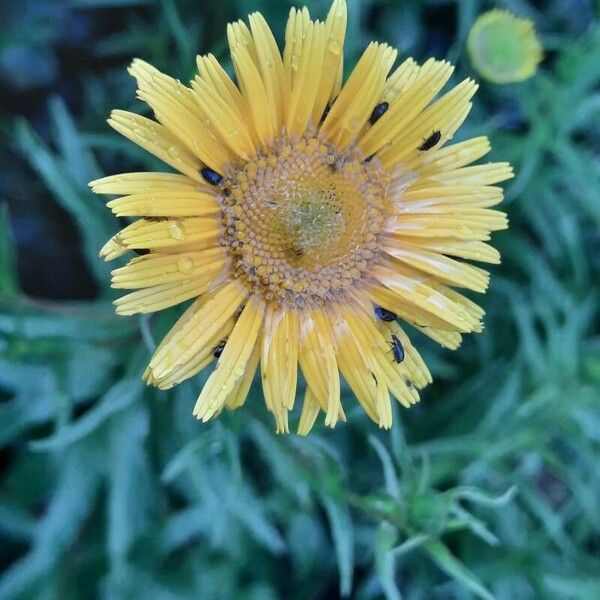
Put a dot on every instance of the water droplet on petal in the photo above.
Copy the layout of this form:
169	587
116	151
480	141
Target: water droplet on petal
176	230
185	264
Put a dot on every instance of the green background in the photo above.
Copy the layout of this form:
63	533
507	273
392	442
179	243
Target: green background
488	489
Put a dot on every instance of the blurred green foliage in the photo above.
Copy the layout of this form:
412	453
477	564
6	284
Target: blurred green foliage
488	489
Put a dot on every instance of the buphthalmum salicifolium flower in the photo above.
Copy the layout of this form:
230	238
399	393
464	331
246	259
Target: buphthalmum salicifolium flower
307	218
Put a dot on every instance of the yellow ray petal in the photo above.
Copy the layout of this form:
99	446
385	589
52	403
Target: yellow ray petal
318	364
270	65
405	309
158	297
446	269
432	76
310	411
212	72
175	107
472	250
233	362
359	95
279	363
165	204
307	80
333	59
370	340
442	196
238	395
475	175
232	128
447	339
440	116
245	62
198	332
295	33
426	296
449	157
139	183
156	139
155	269
148	234
400	80
361	371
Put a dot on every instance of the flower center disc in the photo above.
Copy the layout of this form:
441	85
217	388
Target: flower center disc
301	223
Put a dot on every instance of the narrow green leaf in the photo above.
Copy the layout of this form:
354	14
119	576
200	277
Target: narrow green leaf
453	567
121	395
342	532
9	285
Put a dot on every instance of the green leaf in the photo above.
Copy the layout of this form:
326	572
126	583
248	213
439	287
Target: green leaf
342	532
9	285
93	220
119	397
446	561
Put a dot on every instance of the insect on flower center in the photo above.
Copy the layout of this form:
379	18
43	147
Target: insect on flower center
301	222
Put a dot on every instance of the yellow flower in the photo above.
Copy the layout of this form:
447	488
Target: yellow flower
306	217
503	47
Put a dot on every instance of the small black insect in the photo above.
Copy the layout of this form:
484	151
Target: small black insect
211	176
384	314
219	349
397	349
141	251
378	112
431	141
369	158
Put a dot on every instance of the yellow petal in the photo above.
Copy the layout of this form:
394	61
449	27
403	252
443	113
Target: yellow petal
400	80
426	296
318	363
441	116
154	269
307	80
148	234
156	139
432	76
233	362
198	332
279	363
158	297
310	411
139	183
446	269
353	107
165	204
238	395
243	55
473	250
270	65
333	60
359	371
175	107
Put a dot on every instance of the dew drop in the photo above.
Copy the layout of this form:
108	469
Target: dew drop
185	264
176	230
335	47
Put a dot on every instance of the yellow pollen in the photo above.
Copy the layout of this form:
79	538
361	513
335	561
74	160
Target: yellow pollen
302	222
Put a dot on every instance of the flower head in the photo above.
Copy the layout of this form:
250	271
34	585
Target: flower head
503	47
306	219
